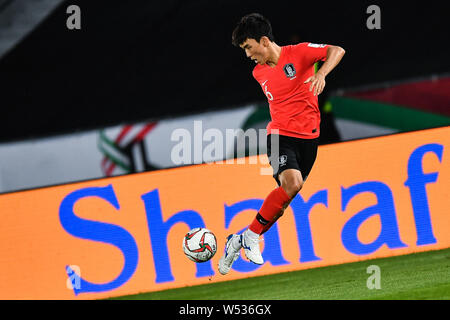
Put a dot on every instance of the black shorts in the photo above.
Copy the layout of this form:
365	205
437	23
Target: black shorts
294	153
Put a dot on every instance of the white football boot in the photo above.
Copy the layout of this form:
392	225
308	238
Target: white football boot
232	248
250	243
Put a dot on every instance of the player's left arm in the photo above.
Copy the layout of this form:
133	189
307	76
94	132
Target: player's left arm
334	56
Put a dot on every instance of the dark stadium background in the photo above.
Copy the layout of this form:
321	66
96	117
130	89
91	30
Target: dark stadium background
140	60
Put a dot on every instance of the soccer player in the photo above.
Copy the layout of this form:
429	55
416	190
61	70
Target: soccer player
289	81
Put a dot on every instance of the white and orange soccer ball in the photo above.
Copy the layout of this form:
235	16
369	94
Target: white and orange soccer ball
199	244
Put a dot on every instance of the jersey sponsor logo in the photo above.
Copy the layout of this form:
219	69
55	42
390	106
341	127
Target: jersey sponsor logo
315	45
289	70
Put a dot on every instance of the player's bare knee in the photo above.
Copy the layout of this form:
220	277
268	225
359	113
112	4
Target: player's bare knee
292	182
297	186
292	187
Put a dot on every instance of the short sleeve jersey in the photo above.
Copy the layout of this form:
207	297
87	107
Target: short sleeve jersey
293	108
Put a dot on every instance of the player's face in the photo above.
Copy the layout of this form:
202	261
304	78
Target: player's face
257	51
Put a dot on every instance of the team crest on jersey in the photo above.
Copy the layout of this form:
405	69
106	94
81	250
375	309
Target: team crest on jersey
289	70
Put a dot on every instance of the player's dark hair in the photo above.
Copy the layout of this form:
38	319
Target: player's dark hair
251	26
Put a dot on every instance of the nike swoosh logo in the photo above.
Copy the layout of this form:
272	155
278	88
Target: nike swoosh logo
264	82
243	243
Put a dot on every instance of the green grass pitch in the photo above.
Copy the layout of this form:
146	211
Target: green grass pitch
417	276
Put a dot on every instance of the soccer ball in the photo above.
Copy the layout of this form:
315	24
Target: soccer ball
199	244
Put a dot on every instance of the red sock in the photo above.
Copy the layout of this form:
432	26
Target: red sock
269	225
270	208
